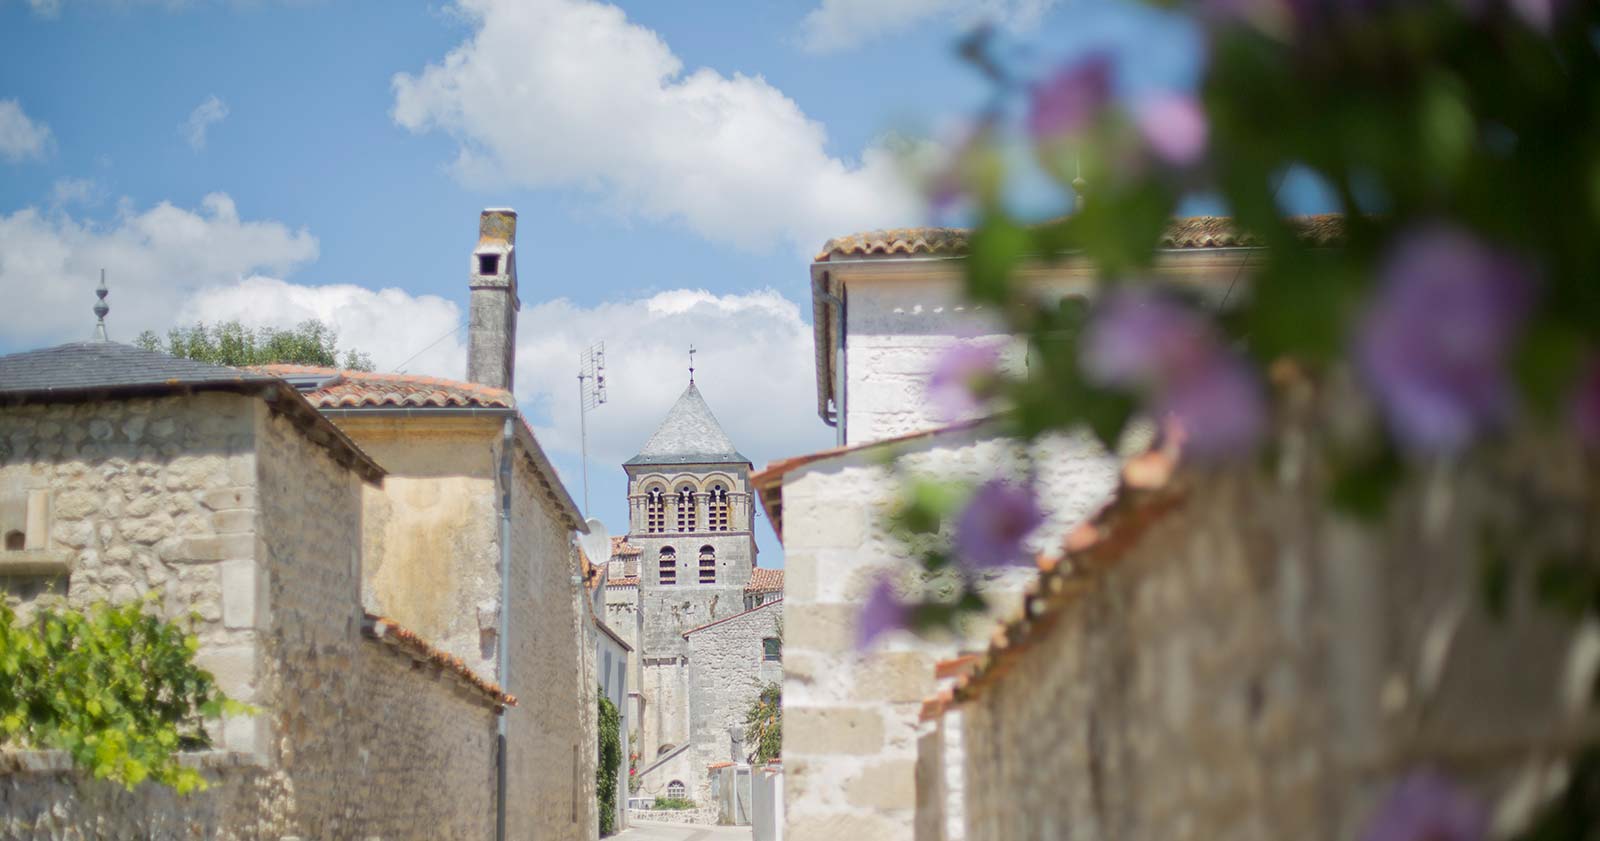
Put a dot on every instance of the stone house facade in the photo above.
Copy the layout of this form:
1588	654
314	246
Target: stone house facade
225	494
886	306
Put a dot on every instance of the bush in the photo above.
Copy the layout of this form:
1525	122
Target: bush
673	803
115	687
605	775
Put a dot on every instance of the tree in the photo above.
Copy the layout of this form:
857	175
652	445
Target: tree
763	724
311	342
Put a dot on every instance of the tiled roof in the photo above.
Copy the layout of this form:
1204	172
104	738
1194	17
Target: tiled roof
623	581
81	367
361	389
1149	490
1183	233
621	548
392	633
689	434
731	618
765	580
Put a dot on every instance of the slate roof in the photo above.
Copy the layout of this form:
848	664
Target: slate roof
341	389
82	368
1188	232
765	580
689	434
85	371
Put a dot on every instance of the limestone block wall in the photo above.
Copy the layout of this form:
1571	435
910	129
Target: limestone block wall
726	673
1249	665
552	730
666	709
851	717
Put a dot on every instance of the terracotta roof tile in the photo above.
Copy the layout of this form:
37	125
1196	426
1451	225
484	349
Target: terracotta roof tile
362	389
764	580
1183	233
390	632
733	617
621	548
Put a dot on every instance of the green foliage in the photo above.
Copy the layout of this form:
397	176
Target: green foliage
763	724
116	687
311	342
673	803
605	775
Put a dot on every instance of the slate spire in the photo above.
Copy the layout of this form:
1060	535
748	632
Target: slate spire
689	434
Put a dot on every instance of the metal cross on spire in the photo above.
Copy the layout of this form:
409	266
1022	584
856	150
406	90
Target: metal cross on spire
691	364
100	309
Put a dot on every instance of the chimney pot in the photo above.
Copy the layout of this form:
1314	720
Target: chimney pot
492	279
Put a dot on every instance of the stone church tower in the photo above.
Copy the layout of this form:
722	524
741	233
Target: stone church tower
690	515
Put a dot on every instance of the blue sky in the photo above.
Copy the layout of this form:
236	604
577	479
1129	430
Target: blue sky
673	164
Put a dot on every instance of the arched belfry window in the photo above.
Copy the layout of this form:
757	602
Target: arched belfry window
655	511
708	565
717	508
669	565
686	508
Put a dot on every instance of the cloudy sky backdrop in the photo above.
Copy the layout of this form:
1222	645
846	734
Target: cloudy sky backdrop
674	165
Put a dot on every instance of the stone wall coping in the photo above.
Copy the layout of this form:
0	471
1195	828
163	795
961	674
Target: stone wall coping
739	615
396	637
37	562
29	761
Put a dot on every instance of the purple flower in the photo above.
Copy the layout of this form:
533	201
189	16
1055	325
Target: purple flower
998	518
961	377
1434	343
1175	127
1537	14
883	612
1142	341
1426	807
1069	101
1586	406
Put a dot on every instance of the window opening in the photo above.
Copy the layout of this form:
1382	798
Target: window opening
488	264
717	509
708	565
686	508
675	789
15	540
655	511
772	649
669	565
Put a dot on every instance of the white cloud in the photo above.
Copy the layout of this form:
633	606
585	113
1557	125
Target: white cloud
842	24
45	8
569	93
201	119
68	191
156	260
20	137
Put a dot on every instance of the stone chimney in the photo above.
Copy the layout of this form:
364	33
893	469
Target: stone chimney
492	325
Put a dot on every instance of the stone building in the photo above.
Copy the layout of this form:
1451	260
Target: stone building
688	562
886	305
224	493
463	538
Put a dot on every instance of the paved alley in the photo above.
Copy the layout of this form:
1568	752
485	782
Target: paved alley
652	831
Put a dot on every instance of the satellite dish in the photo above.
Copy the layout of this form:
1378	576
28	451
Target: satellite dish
597	543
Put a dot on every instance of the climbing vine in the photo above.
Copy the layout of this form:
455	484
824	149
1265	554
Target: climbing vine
116	687
605	775
763	724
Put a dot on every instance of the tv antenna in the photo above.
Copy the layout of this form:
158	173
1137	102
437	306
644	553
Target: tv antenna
591	395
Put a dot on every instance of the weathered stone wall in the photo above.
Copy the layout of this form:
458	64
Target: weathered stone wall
851	716
1251	665
552	730
222	507
666	714
431	530
726	672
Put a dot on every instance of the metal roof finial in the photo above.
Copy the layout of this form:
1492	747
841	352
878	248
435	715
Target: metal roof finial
691	364
100	309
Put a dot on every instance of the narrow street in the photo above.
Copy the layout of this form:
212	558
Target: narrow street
653	831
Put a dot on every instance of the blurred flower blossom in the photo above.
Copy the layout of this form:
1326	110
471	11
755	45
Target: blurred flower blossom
1147	342
1434	343
1426	807
882	613
1538	14
970	168
962	377
1175	128
1586	406
1066	103
998	518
